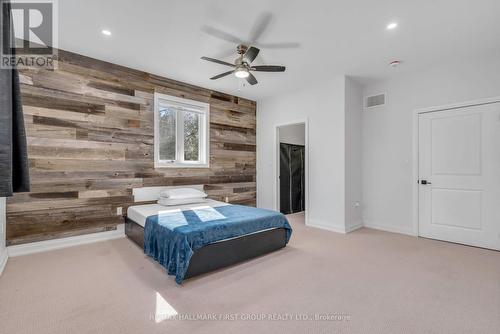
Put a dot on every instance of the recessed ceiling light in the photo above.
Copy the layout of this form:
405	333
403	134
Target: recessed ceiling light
106	32
392	25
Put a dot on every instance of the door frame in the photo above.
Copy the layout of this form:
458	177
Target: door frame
416	114
277	127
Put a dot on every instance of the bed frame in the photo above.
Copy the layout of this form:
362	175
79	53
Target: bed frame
216	255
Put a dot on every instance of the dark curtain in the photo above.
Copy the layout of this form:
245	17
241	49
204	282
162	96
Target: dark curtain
292	178
14	174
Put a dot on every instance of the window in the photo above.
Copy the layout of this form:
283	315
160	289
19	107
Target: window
181	132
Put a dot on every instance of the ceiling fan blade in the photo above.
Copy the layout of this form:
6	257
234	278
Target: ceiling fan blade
261	24
251	54
268	68
251	79
217	61
221	34
285	45
221	75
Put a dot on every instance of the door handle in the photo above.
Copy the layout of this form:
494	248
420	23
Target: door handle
425	182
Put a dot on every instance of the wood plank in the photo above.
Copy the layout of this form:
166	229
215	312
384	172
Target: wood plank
90	140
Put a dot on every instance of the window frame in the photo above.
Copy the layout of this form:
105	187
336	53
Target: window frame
181	104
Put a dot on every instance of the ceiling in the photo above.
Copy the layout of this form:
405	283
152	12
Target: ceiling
335	37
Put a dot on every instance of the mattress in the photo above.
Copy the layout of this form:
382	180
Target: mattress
139	213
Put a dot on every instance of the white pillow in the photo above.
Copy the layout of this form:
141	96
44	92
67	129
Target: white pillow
179	201
181	193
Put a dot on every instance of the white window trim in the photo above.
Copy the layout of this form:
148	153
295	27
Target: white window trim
196	106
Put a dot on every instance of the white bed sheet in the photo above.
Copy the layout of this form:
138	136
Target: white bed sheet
139	213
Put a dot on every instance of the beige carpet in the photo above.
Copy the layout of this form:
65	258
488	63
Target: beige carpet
364	282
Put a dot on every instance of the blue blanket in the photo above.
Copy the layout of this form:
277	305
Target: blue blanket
172	236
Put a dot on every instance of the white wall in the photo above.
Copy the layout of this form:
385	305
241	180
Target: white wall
323	106
3	250
353	170
387	138
293	134
333	110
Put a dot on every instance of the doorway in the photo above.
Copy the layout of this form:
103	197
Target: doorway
459	175
291	158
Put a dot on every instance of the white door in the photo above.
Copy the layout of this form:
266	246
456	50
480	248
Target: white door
459	175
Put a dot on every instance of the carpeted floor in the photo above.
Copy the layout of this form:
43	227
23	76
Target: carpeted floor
364	282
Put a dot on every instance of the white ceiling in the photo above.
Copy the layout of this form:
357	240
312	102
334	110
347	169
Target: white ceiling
336	37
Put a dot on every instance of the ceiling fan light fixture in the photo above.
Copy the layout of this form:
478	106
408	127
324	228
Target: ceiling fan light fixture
241	73
392	26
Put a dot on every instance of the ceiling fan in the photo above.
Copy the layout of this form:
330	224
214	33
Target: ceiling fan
248	50
243	65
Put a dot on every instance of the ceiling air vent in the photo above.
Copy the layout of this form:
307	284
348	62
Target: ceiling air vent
375	100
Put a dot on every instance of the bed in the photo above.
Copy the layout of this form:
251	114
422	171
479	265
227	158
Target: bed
193	239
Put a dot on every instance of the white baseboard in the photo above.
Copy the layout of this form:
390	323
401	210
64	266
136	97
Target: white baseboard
326	226
390	228
4	256
354	227
47	245
335	228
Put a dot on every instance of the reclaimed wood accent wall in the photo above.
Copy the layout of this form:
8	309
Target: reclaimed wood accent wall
90	141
